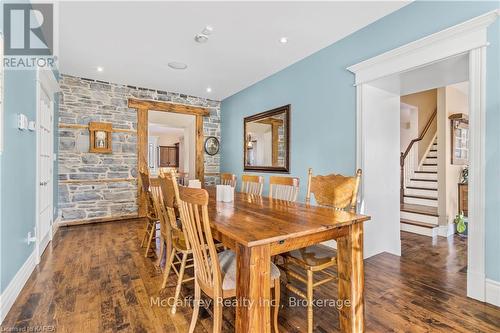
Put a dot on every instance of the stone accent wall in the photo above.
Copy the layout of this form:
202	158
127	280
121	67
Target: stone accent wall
84	100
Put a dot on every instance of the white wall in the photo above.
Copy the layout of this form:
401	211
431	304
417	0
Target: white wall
190	151
262	150
168	140
409	125
182	160
451	99
380	164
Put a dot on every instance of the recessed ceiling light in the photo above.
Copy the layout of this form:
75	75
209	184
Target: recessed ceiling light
209	90
177	65
207	30
100	69
283	40
201	38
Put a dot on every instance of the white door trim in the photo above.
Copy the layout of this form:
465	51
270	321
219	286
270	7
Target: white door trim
45	81
468	37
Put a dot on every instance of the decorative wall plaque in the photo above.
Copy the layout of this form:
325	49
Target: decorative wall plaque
100	137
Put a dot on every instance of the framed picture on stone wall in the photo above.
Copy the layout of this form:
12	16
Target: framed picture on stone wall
100	137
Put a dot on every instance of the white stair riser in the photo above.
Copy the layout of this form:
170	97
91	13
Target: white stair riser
432	154
419	217
426	176
417	183
418	201
430	161
427	193
429	168
431	232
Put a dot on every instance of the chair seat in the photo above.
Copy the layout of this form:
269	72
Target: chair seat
227	261
313	256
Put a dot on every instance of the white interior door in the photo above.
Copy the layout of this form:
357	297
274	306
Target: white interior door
153	155
379	160
45	169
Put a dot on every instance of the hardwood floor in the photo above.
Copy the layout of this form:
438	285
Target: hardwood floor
93	278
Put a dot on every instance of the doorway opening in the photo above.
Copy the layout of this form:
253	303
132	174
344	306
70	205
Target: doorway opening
434	188
415	121
414	67
172	144
144	107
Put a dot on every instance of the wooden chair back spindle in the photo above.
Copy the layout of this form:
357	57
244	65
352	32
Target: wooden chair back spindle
252	184
157	197
336	191
169	187
228	179
283	188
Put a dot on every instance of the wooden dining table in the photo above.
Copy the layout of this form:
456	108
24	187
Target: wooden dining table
257	228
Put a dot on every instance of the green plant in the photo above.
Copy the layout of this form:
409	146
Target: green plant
460	222
464	175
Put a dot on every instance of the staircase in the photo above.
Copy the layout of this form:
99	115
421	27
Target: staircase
419	207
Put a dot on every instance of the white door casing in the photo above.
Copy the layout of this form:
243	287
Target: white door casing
381	137
470	38
46	88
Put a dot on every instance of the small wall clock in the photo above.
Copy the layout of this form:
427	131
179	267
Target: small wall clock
212	145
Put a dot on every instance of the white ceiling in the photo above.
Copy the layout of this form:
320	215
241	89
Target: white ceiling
157	129
134	41
435	75
169	119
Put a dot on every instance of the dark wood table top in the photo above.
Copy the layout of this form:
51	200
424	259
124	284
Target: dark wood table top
256	220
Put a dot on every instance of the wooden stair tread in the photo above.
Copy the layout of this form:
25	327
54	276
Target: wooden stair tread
419	224
430	164
419	197
421	188
426	172
419	209
431	157
423	180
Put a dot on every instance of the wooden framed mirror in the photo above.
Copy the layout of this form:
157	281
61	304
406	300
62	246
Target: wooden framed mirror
266	141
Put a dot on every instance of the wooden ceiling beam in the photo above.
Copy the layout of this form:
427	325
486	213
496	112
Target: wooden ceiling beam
141	104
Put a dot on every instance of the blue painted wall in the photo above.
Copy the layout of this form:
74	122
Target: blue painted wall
18	174
321	93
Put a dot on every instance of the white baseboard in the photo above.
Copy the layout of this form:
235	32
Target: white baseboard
446	230
492	292
15	286
431	232
55	225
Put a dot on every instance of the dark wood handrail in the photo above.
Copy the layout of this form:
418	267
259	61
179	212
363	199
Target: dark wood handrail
424	131
407	151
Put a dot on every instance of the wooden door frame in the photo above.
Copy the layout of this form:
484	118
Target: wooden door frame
143	107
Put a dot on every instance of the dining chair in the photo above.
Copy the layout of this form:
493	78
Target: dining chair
252	184
283	188
340	193
173	237
215	273
228	179
151	219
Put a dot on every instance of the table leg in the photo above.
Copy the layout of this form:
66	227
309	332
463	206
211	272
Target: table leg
253	289
351	280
